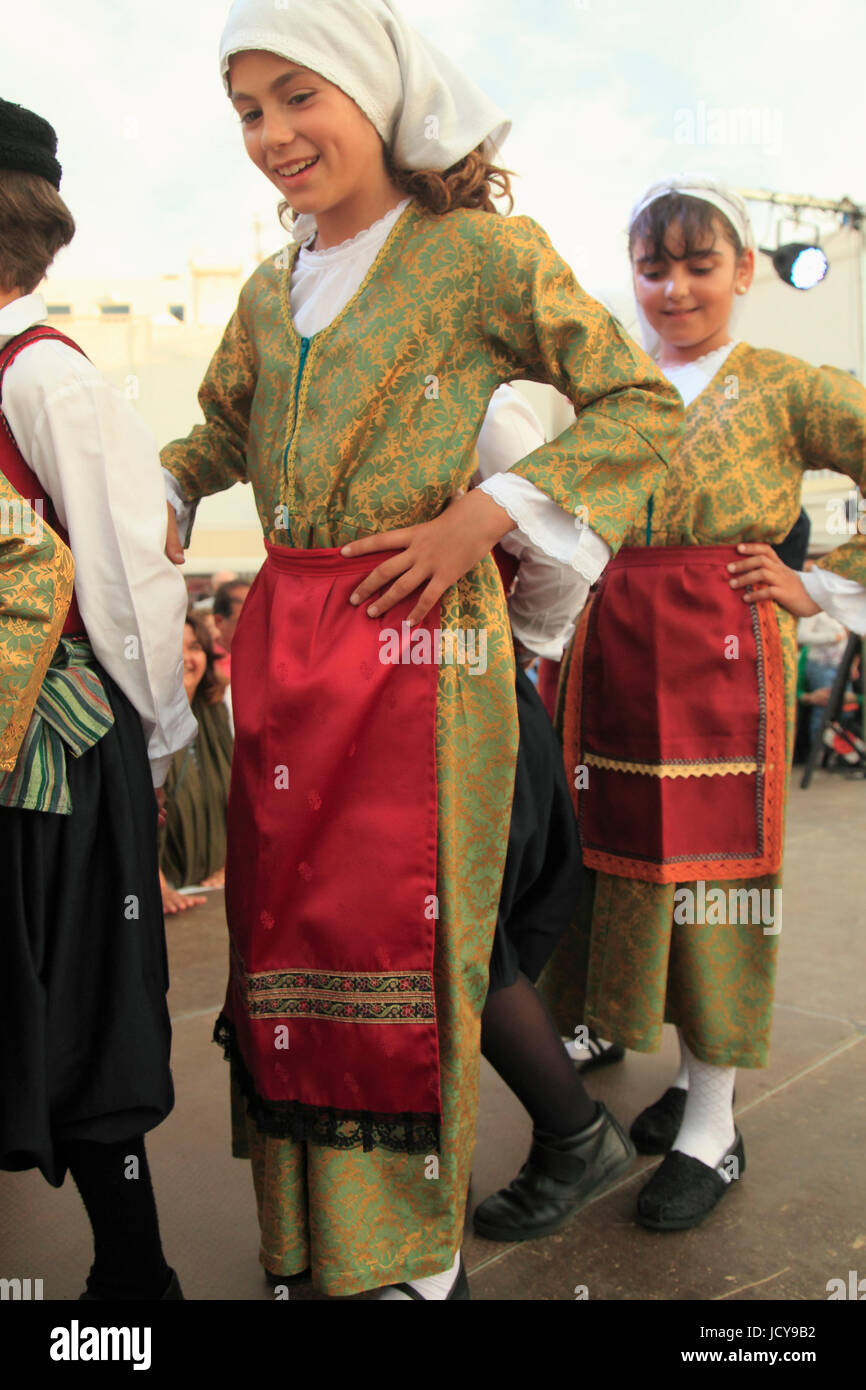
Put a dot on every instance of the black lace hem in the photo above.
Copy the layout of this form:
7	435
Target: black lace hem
337	1129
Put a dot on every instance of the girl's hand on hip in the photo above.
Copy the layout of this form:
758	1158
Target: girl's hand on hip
435	554
764	576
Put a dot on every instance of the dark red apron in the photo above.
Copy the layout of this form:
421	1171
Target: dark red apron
674	729
332	823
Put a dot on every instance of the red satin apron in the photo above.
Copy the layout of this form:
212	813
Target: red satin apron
331	870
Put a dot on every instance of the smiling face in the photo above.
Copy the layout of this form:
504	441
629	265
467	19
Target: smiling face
688	292
194	661
313	143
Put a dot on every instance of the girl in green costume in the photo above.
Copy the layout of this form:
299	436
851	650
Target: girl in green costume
349	390
686	930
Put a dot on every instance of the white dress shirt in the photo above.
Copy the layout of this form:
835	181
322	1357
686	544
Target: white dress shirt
98	462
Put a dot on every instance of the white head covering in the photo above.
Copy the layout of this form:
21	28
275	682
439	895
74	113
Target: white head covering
724	199
428	113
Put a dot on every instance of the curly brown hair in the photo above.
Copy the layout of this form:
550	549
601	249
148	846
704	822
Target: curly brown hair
473	182
34	224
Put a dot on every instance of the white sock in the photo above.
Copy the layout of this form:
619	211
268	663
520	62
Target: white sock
681	1080
433	1287
707	1130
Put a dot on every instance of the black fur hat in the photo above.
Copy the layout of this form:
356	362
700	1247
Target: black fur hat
27	142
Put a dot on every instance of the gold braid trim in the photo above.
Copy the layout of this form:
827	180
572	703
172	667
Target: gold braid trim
731	769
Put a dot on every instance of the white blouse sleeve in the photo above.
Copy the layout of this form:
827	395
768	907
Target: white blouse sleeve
559	556
511	424
844	599
95	457
183	510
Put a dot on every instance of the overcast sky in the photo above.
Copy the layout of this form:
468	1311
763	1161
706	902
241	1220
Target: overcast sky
605	95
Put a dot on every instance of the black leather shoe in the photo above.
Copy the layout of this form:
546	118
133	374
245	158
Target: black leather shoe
600	1056
560	1176
683	1191
656	1128
172	1292
459	1291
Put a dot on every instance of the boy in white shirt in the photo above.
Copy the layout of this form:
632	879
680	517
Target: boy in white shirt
84	1027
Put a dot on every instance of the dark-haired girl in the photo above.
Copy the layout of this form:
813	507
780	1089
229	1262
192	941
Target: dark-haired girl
678	714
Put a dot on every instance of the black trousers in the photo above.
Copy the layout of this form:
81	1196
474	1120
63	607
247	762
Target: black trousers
84	1028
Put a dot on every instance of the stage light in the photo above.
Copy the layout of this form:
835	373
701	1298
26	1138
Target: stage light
800	264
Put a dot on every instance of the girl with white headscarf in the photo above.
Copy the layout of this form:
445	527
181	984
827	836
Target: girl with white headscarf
374	762
684	673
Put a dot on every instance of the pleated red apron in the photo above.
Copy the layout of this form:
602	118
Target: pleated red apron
674	730
332	822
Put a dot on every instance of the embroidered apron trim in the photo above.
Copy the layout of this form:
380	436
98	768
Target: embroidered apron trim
355	996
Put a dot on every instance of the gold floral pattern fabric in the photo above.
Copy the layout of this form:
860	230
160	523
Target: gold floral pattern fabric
36	580
626	965
371	425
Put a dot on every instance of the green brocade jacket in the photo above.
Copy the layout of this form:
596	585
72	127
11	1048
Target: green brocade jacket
36	578
371	424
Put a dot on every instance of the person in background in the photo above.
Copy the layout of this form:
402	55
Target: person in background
193	839
825	640
578	1149
228	600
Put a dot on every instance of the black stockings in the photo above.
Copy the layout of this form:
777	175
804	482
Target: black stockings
520	1040
114	1182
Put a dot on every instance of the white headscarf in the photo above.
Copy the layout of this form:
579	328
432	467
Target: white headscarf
429	114
724	199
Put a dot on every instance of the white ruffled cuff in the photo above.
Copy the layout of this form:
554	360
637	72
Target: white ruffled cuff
547	526
844	599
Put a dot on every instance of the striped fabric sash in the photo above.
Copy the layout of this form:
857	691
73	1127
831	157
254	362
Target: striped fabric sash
71	713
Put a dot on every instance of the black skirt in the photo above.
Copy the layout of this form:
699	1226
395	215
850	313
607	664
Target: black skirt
543	869
84	1027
